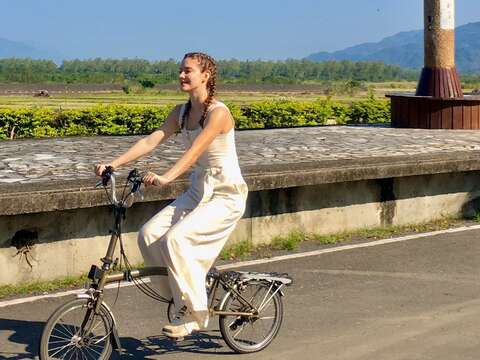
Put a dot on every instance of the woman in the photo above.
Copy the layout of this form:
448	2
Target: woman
187	235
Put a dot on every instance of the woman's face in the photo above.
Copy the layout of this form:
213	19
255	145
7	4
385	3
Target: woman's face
191	76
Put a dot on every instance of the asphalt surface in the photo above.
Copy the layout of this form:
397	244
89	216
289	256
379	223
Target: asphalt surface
417	299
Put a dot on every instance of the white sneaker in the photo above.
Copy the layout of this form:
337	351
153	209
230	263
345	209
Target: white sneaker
180	329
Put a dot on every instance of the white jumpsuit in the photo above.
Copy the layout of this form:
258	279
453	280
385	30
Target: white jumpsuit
187	235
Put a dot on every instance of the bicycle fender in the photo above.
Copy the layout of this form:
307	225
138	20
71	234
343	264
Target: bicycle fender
114	335
224	299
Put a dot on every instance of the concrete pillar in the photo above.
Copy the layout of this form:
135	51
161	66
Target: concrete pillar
439	76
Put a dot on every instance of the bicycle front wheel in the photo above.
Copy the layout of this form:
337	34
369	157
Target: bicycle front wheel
75	331
246	334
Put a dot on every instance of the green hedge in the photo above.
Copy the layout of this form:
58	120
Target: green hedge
274	114
133	120
370	111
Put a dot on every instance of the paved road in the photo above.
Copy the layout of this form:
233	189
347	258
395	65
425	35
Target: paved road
417	299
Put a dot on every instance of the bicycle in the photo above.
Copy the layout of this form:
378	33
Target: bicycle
250	309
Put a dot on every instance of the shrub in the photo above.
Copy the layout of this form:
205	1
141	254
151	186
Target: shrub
146	83
98	120
287	113
370	110
136	120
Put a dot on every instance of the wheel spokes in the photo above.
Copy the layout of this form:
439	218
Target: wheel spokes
68	339
251	333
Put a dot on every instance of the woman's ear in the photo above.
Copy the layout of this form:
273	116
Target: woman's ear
206	76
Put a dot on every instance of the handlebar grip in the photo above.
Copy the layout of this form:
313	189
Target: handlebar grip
107	173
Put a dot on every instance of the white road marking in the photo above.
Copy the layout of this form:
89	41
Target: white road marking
265	261
63	293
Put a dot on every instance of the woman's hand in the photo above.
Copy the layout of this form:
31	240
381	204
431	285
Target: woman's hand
99	169
153	179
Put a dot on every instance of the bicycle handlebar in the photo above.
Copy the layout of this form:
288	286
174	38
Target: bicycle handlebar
134	179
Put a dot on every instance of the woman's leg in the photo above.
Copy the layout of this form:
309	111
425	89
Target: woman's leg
192	245
152	234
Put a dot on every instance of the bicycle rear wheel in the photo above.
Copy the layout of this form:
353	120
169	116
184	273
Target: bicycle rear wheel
246	334
74	331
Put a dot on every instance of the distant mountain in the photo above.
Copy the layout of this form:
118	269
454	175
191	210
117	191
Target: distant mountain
15	49
406	49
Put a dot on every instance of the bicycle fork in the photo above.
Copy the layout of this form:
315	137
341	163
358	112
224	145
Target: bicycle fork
96	306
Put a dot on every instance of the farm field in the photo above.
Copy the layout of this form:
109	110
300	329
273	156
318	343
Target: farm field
87	96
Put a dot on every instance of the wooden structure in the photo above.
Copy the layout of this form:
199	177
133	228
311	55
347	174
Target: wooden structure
425	112
439	102
439	82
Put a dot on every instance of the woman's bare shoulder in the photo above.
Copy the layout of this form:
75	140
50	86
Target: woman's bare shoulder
221	115
175	112
177	109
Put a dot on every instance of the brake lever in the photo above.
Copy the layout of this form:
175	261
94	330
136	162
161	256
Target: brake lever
132	174
107	175
137	185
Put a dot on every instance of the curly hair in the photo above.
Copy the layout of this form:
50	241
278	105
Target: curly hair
207	63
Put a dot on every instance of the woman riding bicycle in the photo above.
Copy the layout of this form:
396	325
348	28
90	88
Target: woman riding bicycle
187	235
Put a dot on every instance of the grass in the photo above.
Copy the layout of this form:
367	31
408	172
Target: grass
78	101
74	100
162	97
292	241
245	249
476	217
237	250
42	287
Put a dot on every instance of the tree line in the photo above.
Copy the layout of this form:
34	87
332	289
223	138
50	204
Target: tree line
18	70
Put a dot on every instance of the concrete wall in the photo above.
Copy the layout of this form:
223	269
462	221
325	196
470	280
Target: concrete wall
69	241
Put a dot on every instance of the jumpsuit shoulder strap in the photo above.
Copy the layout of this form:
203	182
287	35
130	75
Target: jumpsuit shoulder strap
180	116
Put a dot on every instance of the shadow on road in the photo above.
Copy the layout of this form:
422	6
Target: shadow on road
202	343
27	333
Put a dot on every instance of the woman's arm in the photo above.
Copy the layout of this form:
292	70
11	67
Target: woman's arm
219	121
146	144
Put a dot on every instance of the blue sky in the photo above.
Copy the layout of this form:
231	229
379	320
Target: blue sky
246	29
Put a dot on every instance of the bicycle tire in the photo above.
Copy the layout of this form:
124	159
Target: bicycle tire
255	291
60	329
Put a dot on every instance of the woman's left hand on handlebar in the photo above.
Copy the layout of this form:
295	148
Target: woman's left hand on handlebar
153	179
99	169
